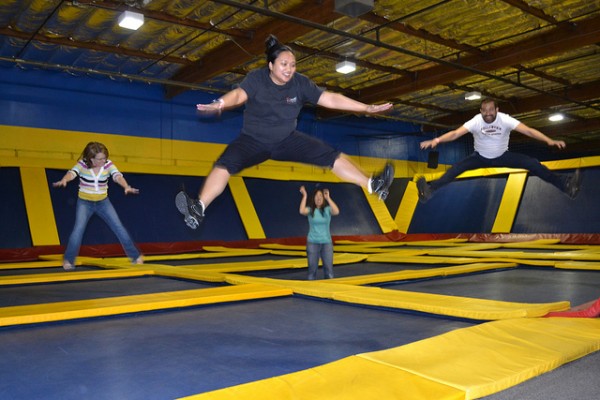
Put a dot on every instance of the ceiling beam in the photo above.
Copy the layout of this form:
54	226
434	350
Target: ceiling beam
94	46
532	10
164	17
561	39
581	93
230	55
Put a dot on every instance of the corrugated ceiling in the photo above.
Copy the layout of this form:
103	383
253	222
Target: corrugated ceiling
535	56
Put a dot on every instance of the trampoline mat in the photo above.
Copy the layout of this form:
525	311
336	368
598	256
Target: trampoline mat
82	290
524	285
165	355
341	270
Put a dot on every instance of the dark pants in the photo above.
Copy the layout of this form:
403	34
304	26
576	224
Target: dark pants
245	151
506	160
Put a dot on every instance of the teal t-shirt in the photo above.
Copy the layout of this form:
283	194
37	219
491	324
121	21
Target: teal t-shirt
318	226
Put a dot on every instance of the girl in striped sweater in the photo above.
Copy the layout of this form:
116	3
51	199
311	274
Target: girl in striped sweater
94	169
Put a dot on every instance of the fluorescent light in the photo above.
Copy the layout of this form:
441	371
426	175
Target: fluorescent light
556	117
353	8
345	67
131	20
472	96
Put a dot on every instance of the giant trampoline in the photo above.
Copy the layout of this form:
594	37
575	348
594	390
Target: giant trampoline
240	323
415	311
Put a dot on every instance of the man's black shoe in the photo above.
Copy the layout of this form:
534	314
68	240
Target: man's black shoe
192	210
424	190
573	184
381	182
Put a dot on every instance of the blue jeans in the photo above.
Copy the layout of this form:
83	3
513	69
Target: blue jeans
507	160
324	251
104	208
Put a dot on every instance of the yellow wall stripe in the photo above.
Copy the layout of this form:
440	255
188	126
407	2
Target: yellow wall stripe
381	212
246	208
39	207
509	203
407	207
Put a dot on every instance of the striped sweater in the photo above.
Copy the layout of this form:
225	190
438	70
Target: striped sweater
94	187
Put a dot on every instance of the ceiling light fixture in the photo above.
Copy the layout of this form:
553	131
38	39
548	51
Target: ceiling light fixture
472	96
131	20
345	67
353	8
556	117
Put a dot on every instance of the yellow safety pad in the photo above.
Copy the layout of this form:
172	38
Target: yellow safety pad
461	307
401	257
36	313
454	306
487	358
74	276
465	363
579	265
271	264
189	274
291	253
351	378
30	264
219	251
373	250
419	273
278	246
562	255
370	244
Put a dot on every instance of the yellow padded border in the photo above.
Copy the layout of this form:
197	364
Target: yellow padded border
420	273
466	363
578	265
38	313
30	265
346	379
485	359
521	255
460	307
73	276
271	264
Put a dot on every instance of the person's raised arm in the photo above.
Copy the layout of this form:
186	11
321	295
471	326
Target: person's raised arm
335	210
534	133
231	99
338	101
446	137
303	210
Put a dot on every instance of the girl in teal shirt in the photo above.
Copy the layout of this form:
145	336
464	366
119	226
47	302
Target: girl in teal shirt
318	242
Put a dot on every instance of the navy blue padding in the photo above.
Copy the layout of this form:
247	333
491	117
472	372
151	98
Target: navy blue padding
463	206
14	228
277	204
150	216
546	209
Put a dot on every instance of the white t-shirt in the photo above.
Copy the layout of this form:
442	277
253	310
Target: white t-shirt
491	140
